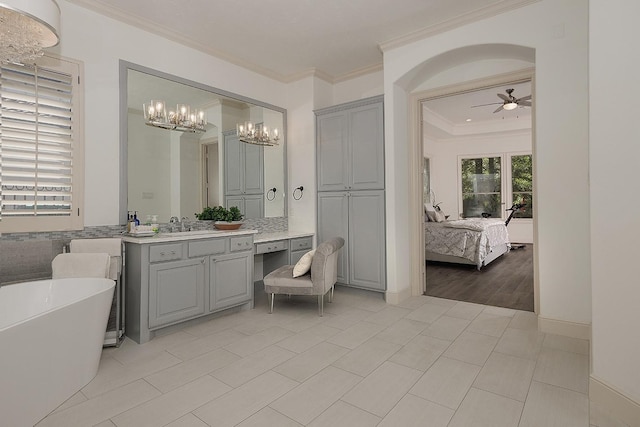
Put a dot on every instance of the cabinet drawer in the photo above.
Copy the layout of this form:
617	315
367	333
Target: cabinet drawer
264	248
165	252
207	247
301	243
242	243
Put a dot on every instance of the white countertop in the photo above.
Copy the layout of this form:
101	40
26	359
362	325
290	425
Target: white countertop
280	235
185	235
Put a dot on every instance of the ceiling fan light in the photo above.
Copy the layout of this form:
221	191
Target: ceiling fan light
510	106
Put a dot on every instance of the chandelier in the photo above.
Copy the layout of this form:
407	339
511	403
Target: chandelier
26	28
183	119
257	134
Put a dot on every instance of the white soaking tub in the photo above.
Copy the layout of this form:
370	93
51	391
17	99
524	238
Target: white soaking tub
51	335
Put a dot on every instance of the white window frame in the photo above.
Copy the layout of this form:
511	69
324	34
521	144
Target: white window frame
508	180
501	156
74	221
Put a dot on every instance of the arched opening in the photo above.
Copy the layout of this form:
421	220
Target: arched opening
459	70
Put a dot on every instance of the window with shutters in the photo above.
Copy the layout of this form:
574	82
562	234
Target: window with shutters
41	152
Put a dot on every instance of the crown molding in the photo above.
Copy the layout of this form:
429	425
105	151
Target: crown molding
374	68
458	21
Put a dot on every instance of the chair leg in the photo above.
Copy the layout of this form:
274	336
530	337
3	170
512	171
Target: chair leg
320	305
271	303
331	295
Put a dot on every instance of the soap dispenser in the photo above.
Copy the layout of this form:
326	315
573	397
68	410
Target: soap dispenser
135	218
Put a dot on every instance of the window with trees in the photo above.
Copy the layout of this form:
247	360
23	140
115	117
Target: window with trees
481	187
522	184
486	181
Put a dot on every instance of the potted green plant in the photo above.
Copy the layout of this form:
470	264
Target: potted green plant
225	219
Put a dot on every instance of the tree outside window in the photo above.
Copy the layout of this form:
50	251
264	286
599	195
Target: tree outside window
481	187
522	184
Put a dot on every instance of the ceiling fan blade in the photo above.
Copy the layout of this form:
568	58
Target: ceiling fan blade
525	104
503	97
484	105
499	108
524	98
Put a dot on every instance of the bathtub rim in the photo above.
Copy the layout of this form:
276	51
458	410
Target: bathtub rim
102	283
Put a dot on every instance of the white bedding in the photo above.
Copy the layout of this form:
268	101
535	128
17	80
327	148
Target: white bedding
471	239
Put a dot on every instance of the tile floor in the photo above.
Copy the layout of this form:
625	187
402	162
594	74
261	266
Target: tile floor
427	362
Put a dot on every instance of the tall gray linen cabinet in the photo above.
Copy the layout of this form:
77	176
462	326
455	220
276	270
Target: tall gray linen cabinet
350	180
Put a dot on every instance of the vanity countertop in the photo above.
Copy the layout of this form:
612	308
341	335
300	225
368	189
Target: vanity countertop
280	235
185	235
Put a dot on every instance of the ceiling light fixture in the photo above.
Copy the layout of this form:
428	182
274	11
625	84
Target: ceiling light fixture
510	106
26	28
182	120
257	134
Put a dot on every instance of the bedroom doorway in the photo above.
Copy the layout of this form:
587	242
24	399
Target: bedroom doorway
478	163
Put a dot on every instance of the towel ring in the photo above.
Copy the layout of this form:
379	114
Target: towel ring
271	194
300	189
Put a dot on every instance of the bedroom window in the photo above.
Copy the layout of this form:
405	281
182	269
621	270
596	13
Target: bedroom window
481	187
522	183
40	146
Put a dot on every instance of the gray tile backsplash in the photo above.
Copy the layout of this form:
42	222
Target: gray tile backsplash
28	256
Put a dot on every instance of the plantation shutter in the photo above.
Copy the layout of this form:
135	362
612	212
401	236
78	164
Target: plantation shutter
36	142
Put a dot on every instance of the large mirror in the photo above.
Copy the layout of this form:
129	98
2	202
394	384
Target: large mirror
173	173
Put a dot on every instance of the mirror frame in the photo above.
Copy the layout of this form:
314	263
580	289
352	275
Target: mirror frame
124	68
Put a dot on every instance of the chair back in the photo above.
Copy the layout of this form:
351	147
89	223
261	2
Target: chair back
80	265
324	265
108	245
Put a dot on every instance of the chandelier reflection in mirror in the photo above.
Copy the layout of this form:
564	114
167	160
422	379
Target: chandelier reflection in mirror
257	134
26	28
183	119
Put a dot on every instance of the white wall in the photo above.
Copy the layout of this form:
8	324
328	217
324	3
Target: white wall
614	153
557	29
445	182
100	43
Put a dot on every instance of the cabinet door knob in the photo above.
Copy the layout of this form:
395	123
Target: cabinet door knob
173	252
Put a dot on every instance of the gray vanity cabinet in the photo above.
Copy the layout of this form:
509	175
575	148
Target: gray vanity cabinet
176	291
174	281
243	167
231	279
351	198
350	146
299	247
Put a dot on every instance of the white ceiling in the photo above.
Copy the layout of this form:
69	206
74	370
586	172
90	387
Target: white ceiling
287	39
467	113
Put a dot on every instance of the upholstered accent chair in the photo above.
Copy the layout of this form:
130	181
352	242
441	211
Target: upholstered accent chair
319	281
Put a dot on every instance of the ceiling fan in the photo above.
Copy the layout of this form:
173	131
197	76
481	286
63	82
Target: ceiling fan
510	102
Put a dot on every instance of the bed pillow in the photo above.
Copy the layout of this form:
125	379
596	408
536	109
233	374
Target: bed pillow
431	212
440	216
426	216
303	266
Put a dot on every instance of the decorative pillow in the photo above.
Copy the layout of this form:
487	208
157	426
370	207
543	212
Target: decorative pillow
440	216
431	212
303	266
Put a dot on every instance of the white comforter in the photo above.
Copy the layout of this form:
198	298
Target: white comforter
470	239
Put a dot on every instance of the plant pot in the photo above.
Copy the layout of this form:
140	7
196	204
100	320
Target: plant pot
224	225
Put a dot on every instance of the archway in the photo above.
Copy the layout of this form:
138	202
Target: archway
455	71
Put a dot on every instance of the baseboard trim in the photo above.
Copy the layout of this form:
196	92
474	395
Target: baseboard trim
396	298
562	327
624	408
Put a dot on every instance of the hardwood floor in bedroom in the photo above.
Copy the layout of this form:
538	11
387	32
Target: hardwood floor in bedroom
506	282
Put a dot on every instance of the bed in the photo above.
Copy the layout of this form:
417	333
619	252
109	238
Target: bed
474	241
